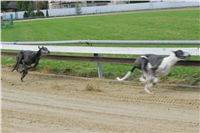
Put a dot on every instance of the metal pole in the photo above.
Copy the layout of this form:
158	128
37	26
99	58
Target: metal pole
100	67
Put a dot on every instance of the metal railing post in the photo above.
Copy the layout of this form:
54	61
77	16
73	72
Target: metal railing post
100	67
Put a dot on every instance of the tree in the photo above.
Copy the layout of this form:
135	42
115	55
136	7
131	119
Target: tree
32	14
39	13
30	9
25	15
78	9
42	5
31	6
34	5
4	5
25	5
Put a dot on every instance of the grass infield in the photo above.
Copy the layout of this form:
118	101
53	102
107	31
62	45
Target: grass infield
180	24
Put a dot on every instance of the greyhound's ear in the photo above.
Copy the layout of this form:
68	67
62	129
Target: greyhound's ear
39	47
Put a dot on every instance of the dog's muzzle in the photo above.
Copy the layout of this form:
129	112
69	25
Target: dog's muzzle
186	55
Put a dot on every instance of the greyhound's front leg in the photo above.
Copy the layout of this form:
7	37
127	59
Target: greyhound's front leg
147	88
33	65
149	82
142	78
36	63
24	73
25	67
155	80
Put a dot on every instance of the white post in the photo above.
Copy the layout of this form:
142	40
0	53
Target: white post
100	67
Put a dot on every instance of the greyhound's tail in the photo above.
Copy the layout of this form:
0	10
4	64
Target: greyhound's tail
128	74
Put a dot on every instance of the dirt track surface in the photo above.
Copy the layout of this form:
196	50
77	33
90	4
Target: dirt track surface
61	104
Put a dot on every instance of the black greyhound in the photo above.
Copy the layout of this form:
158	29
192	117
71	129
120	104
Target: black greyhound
29	59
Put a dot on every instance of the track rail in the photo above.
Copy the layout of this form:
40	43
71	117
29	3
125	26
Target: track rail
90	42
101	59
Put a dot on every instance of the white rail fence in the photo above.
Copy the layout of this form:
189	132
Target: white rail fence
103	50
106	50
160	42
108	8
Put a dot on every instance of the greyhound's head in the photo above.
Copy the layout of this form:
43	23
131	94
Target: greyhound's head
44	50
181	55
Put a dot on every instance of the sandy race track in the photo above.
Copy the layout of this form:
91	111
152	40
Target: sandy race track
46	103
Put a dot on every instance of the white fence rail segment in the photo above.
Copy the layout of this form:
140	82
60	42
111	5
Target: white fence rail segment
108	8
104	50
161	42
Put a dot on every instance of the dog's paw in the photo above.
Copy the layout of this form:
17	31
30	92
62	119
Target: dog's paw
155	80
142	79
148	91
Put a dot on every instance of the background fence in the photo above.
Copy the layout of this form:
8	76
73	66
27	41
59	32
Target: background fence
107	9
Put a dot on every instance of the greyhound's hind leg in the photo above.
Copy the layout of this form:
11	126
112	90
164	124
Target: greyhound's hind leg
149	82
19	59
24	73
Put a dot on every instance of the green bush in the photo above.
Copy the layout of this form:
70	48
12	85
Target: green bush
78	9
31	14
25	15
39	14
